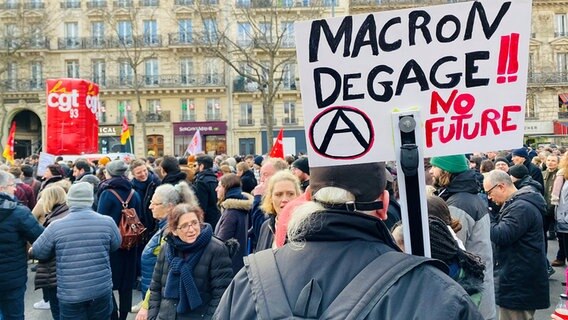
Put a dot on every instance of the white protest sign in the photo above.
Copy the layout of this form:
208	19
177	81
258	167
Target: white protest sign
463	66
45	159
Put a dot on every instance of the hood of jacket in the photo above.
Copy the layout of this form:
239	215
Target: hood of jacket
174	177
528	195
206	175
467	181
239	204
7	205
529	182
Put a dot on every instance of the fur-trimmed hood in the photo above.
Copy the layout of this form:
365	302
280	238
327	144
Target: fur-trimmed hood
239	204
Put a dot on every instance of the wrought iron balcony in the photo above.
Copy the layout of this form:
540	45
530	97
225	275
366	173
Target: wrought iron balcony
162	116
248	122
550	78
145	41
289	121
34	5
187	117
123	4
9	6
22	43
160	81
183	2
263	122
95	4
149	3
213	116
71	4
558	34
22	85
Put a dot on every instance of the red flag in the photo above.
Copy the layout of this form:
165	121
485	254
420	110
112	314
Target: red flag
277	150
8	153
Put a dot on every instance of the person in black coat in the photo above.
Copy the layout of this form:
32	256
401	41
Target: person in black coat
234	218
171	171
248	181
17	227
122	261
521	178
521	268
204	186
145	183
521	156
192	271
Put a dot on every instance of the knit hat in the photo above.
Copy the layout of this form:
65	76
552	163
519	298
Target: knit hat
92	179
502	159
80	195
116	168
258	160
452	164
521	152
302	165
104	161
518	171
365	181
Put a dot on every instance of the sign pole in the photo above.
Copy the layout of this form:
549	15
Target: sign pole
411	182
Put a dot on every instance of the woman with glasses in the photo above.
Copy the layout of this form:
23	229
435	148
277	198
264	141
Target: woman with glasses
193	268
165	198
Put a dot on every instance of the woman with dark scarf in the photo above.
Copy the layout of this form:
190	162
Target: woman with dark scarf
233	223
193	269
54	204
53	173
122	261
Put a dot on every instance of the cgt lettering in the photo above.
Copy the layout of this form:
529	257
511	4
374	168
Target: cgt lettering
463	126
63	101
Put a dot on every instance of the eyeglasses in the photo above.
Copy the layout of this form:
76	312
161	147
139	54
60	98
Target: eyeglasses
186	226
488	192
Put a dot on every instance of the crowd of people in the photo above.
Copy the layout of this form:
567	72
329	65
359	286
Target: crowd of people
249	237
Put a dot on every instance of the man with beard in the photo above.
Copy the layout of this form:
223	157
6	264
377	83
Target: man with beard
204	187
459	186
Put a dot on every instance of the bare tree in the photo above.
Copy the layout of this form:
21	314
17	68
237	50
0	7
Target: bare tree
25	34
130	45
265	49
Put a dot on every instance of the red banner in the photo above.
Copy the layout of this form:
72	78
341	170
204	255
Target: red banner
72	116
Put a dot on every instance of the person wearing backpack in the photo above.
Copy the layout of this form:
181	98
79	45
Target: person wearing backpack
341	262
122	261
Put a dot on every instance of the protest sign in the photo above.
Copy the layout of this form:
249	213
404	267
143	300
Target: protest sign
463	66
45	159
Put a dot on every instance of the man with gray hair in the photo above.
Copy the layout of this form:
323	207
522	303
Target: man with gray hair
82	243
516	230
341	262
17	227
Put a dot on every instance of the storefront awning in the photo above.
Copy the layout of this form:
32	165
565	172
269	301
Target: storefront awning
563	97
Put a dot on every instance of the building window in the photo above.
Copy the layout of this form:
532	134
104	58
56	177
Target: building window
125	73
562	65
287	34
151	33
99	71
72	67
210	28
186	71
36	39
244	34
246	118
12	75
36	72
265	36
289	76
212	76
530	110
97	33
72	35
213	110
185	31
151	71
560	25
154	106
124	30
102	112
187	110
289	113
124	109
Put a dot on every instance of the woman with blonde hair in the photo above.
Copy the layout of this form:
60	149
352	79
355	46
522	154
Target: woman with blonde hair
54	204
283	187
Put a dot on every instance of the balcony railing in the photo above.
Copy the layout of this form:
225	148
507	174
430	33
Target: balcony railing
145	41
246	122
123	4
263	122
149	3
9	6
25	43
183	2
289	121
162	116
552	78
94	4
161	81
20	85
187	117
414	3
558	34
75	4
213	116
34	5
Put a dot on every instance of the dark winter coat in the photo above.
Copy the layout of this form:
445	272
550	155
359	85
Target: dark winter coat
122	262
49	181
535	173
521	266
248	181
174	178
212	275
266	236
17	227
234	225
256	220
332	254
466	204
529	182
145	191
204	187
46	271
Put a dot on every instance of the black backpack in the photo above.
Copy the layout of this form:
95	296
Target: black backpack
356	300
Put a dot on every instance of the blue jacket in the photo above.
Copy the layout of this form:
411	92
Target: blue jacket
150	256
17	226
82	242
